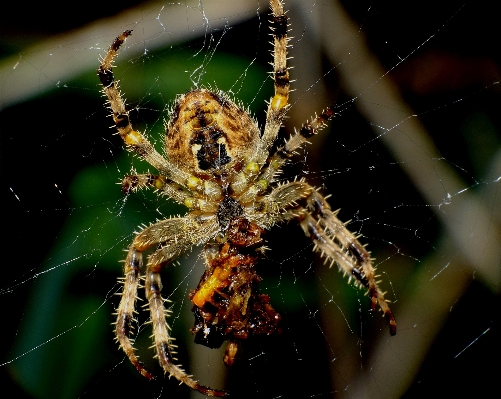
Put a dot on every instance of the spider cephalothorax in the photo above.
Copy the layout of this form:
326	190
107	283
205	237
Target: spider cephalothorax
220	166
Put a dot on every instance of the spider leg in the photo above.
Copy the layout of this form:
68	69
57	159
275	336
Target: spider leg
338	245
151	235
297	140
331	237
134	140
176	235
171	189
280	205
277	108
163	341
284	153
127	308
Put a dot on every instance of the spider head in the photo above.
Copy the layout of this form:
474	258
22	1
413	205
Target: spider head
208	134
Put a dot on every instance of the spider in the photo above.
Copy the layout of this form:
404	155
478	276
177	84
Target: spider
220	166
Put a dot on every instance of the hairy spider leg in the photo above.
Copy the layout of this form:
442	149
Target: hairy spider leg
278	106
135	141
297	140
176	235
298	200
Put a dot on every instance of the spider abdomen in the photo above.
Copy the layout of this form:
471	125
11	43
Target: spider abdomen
207	133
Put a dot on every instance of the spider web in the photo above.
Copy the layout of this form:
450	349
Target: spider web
414	160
